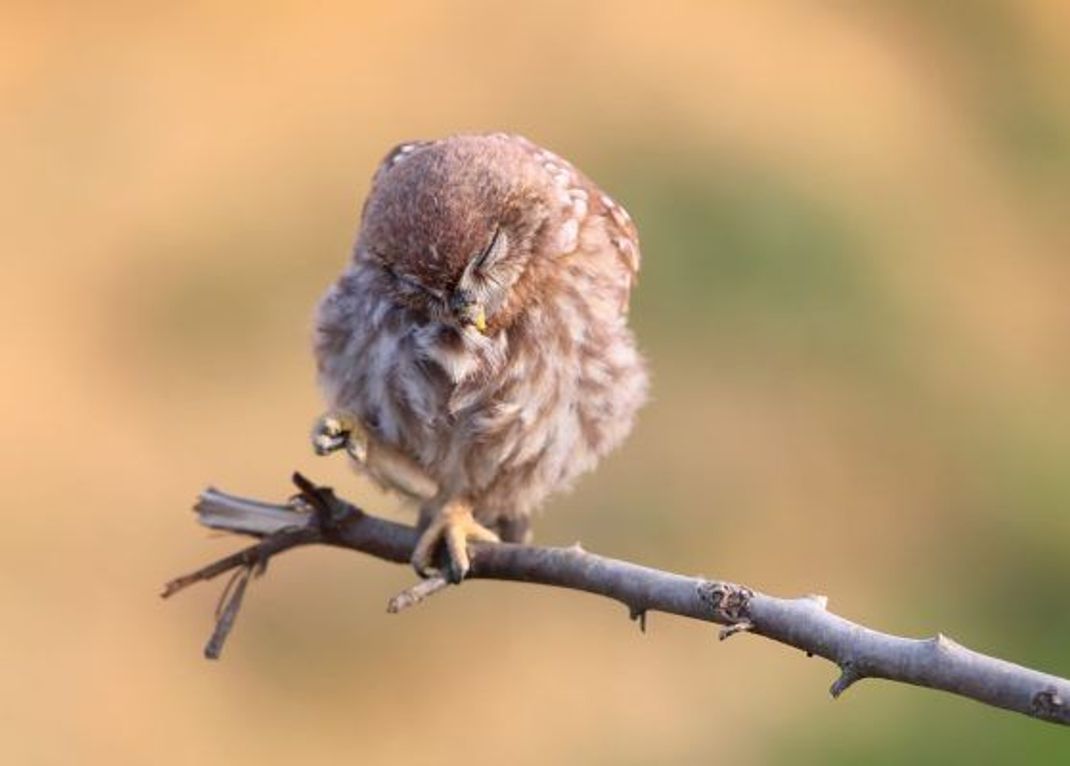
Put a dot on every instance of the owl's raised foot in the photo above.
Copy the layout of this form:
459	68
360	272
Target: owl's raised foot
453	526
336	430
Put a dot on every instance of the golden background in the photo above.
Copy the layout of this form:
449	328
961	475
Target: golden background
856	225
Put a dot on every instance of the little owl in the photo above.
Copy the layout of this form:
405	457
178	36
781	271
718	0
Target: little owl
475	353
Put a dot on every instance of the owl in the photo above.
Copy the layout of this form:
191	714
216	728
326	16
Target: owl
475	353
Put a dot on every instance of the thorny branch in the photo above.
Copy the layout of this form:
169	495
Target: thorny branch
317	516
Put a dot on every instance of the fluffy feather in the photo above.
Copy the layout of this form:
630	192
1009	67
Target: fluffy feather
503	418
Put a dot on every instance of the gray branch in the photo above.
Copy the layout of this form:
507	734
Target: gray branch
317	516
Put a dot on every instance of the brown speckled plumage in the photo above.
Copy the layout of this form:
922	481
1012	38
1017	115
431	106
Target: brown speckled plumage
503	417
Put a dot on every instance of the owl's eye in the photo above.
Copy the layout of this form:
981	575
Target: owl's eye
494	251
413	283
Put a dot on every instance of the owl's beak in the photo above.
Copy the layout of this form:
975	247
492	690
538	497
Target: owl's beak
468	311
479	318
475	316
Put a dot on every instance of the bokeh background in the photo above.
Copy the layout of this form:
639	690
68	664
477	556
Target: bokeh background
856	227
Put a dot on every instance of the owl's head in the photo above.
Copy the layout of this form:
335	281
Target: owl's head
458	226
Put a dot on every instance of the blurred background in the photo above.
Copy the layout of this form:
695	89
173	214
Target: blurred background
855	221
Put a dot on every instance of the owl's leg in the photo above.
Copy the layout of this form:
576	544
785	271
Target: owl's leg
514	529
451	524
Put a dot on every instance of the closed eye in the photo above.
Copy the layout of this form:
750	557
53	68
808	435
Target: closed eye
493	252
414	283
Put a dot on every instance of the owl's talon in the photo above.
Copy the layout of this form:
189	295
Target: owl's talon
334	431
453	526
330	433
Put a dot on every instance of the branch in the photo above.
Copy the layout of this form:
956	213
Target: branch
317	516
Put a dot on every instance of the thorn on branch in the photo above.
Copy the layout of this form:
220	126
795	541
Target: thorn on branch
848	676
817	598
417	593
325	505
942	643
638	615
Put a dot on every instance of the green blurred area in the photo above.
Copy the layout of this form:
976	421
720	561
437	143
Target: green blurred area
855	232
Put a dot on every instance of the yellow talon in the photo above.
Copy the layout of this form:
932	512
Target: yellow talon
455	526
335	431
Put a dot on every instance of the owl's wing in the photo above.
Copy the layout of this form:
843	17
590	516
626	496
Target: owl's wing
619	227
622	235
587	200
